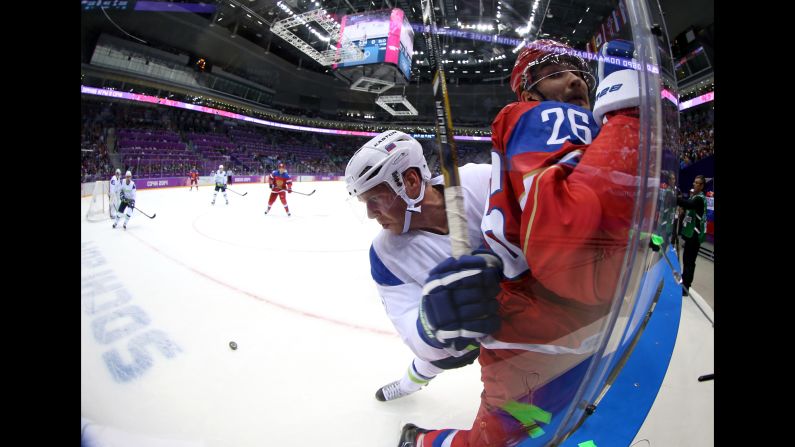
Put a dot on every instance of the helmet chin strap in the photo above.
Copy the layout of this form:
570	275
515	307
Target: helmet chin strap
411	207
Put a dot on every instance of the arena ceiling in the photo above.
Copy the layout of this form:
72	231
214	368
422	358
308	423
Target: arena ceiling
237	32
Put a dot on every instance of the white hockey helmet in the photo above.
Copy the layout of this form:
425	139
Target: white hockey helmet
118	171
383	160
128	174
220	166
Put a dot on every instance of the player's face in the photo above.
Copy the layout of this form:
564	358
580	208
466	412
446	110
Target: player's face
698	185
557	84
385	207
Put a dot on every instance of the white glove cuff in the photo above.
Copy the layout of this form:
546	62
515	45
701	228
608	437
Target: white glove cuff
619	90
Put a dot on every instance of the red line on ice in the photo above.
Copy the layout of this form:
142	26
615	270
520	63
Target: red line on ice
257	297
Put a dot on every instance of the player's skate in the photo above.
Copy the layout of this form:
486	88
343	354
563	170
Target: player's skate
114	224
125	226
396	390
212	203
408	436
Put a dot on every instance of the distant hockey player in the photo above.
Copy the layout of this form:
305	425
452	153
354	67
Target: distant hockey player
113	192
391	176
279	183
194	178
127	198
220	183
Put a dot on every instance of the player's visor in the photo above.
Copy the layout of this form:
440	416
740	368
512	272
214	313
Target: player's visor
566	62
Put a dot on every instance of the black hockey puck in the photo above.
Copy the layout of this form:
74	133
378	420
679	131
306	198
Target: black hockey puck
233	345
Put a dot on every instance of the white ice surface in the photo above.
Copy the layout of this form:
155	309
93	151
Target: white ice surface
314	343
294	293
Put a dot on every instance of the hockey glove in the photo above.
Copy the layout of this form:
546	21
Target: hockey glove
131	203
452	362
289	190
619	86
459	303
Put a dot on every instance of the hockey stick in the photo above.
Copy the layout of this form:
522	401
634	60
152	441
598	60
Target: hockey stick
151	217
237	192
297	192
448	157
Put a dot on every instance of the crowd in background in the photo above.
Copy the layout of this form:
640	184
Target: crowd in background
93	151
303	152
696	139
328	154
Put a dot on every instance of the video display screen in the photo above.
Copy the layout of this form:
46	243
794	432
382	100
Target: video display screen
385	37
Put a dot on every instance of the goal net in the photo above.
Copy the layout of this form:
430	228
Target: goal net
100	202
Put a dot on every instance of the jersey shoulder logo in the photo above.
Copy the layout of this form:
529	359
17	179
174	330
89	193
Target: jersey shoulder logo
546	127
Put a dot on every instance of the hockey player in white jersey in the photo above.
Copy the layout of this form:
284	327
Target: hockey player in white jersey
391	176
220	183
113	192
127	199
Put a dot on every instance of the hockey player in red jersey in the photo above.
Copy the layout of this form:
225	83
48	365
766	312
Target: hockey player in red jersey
280	182
194	178
559	215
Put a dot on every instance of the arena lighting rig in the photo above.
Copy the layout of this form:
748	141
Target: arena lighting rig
347	50
372	85
386	103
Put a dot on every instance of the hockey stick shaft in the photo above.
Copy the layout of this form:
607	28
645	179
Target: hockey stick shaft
139	210
297	192
237	192
448	157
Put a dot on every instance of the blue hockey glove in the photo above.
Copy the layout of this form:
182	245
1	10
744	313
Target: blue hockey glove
459	301
619	86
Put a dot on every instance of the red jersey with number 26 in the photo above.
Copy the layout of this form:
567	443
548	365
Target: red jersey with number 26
562	195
